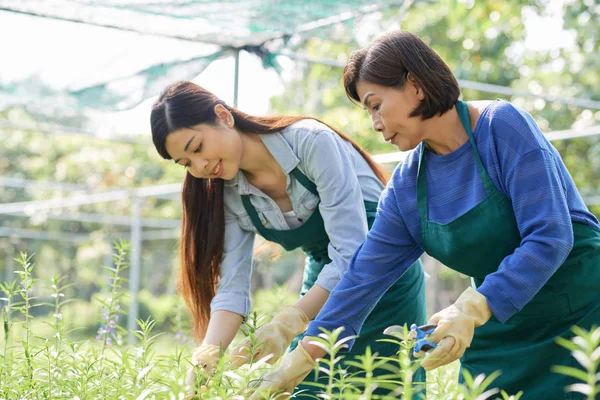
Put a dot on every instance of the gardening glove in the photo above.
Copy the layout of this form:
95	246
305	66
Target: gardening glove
206	357
272	338
455	328
294	367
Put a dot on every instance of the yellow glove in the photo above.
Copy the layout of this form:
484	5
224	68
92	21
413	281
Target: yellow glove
206	357
455	328
272	338
294	367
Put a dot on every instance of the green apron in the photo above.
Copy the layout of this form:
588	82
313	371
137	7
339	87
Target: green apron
523	348
403	303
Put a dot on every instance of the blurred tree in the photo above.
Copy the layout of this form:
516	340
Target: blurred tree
570	71
482	42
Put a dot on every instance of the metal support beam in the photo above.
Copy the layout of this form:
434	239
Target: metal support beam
388	158
30	184
591	200
551	136
31	207
134	268
236	78
23	233
61	236
162	234
573	133
9	267
105	219
62	129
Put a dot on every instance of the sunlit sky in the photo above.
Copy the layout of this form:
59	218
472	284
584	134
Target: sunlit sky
256	87
65	54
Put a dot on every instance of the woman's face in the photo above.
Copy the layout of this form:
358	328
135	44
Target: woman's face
207	151
389	108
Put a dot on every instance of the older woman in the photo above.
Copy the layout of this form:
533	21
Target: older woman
485	193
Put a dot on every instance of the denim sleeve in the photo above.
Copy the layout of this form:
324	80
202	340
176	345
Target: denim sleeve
326	162
233	291
378	263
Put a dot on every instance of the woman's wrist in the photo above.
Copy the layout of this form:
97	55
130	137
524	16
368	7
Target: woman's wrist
312	302
222	327
314	351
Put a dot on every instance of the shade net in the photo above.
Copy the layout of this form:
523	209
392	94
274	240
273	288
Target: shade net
105	57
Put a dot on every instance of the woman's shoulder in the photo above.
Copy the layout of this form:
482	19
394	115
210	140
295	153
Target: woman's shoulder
483	112
500	112
499	108
509	123
309	135
307	125
231	201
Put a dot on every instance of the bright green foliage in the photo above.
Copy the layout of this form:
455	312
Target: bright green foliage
54	366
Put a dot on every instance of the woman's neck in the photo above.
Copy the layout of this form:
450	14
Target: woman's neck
445	134
257	161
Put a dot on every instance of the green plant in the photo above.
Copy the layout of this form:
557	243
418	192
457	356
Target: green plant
42	360
585	348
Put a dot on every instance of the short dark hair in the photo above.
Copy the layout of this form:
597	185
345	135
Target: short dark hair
389	59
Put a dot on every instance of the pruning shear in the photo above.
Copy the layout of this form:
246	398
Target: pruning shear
416	333
420	332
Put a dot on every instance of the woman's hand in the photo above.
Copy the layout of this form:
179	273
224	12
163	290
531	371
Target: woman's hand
294	367
455	328
272	338
206	358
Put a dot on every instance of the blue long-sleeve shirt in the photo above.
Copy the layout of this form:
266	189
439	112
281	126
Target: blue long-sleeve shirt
522	164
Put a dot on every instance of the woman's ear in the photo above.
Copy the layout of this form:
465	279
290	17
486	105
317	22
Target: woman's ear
224	115
415	86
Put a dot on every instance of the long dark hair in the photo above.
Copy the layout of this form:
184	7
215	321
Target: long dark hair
185	105
388	61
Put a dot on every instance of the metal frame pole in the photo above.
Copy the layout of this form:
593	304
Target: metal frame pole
134	268
236	78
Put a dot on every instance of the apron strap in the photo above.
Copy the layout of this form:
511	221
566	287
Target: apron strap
463	113
254	216
422	188
304	181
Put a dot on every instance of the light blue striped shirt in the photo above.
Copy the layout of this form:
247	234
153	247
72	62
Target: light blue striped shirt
344	181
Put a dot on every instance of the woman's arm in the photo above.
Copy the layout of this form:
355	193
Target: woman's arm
377	264
233	290
312	302
222	328
532	180
325	158
232	301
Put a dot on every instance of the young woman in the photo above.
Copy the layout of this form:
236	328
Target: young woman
484	192
296	182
